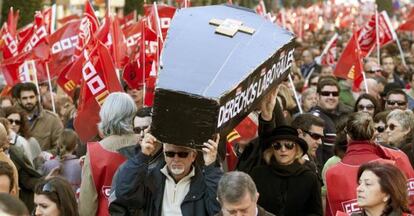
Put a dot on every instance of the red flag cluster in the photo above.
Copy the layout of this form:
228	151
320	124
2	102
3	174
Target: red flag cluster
86	53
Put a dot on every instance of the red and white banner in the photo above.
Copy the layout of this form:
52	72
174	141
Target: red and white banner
329	53
99	79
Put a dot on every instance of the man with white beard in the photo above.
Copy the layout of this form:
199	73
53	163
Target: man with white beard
175	187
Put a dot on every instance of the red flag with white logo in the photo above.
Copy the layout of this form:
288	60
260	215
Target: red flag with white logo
367	35
88	26
128	20
98	81
9	35
349	65
161	14
62	46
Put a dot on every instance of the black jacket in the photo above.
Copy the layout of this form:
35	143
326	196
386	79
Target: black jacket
143	188
260	212
288	193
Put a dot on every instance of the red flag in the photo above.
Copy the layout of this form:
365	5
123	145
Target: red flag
9	36
37	43
165	14
349	65
47	16
261	8
68	18
119	48
98	81
22	68
88	26
62	46
367	35
138	69
132	36
128	20
25	31
246	130
329	53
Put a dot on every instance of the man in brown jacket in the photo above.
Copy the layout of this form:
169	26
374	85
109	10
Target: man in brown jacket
45	126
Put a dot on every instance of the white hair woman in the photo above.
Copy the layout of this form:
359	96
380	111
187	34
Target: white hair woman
103	157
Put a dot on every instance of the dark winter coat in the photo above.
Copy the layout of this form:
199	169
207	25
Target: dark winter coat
288	190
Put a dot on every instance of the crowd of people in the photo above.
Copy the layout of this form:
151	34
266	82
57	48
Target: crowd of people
320	147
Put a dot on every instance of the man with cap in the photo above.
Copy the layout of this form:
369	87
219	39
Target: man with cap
175	186
286	186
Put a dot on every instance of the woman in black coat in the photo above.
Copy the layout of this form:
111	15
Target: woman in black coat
286	186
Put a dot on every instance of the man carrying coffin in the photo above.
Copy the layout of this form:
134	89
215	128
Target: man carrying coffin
176	186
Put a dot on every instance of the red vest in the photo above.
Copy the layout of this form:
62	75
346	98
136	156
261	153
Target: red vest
341	180
104	164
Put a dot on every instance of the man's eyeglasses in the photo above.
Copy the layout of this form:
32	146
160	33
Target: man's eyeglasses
399	103
314	136
328	93
367	107
172	154
288	146
380	129
17	122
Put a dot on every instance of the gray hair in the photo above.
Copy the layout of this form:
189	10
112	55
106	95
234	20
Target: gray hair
117	113
233	186
404	117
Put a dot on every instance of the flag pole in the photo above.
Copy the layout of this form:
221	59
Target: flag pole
50	87
401	52
158	22
143	53
36	80
294	93
325	50
53	21
377	35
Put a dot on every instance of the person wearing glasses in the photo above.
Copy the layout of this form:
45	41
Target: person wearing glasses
104	157
340	178
286	186
55	197
176	185
367	103
310	129
396	99
372	69
400	130
20	135
331	110
380	124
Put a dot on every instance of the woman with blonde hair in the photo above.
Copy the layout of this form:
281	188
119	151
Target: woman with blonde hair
286	186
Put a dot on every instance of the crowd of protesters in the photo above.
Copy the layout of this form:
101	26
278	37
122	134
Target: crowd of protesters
330	151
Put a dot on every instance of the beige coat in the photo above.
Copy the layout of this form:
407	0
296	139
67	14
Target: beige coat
88	199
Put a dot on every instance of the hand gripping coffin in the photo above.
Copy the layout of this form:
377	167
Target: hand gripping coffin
217	64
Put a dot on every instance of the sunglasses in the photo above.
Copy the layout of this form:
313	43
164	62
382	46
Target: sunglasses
172	154
392	126
314	136
138	130
17	122
367	107
399	103
372	71
278	145
380	129
328	93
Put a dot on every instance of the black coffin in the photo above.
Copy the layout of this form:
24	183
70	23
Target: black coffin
208	81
